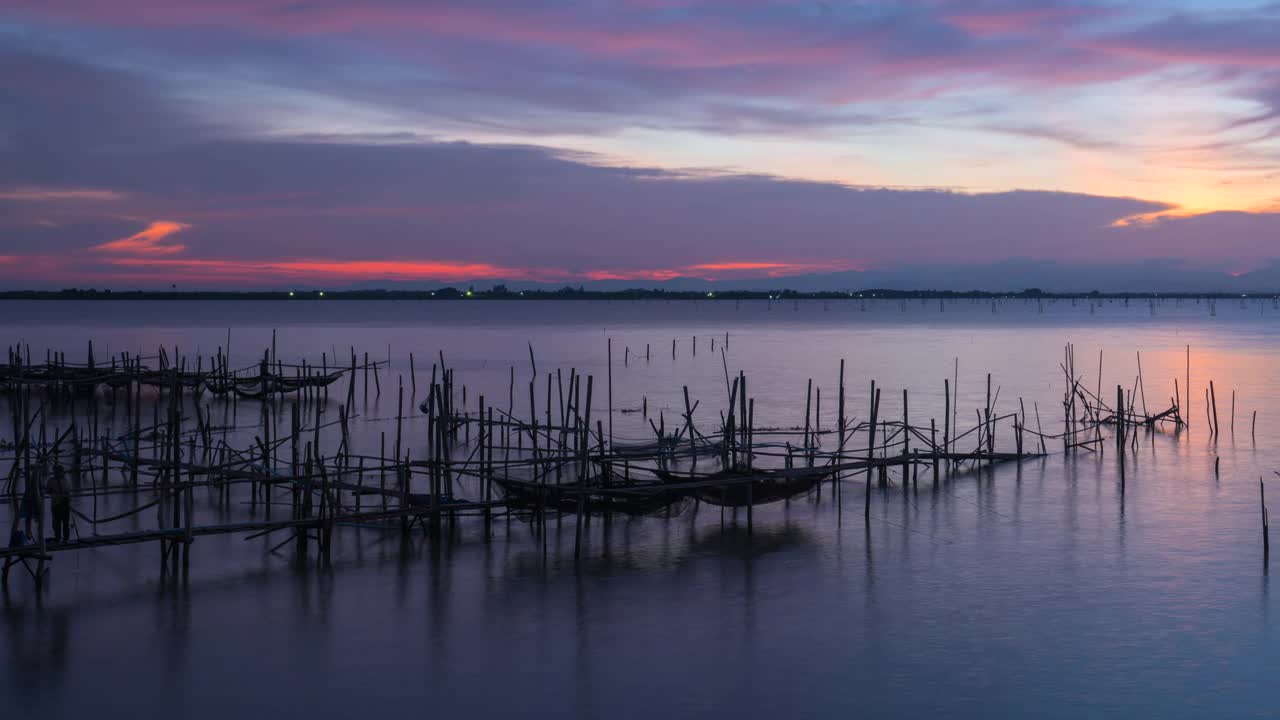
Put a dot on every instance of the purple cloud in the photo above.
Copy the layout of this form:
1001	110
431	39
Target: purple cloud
124	147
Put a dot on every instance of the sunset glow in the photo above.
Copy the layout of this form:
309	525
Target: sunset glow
634	141
208	272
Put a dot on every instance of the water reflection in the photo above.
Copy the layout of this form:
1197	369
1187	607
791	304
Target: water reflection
1046	585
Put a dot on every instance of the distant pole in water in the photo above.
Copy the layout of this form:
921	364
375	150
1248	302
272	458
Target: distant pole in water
835	480
946	414
1120	449
871	444
955	401
1213	399
1266	525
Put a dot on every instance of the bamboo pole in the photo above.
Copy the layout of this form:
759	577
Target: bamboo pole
1266	525
1213	397
871	444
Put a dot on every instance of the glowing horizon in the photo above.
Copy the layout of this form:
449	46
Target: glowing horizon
629	140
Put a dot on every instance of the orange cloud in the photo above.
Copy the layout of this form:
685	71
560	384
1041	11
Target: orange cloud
314	269
443	271
655	275
148	241
402	269
1150	219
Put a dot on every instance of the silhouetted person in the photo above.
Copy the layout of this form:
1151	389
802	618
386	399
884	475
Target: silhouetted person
16	537
60	498
29	508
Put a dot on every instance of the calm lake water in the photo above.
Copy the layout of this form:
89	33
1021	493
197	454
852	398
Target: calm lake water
1020	590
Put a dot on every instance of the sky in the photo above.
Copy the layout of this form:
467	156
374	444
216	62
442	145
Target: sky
317	143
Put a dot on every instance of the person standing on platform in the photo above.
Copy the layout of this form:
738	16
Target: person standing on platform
60	497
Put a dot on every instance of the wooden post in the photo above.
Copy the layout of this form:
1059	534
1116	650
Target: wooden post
1213	399
688	421
1266	526
481	440
488	477
609	389
743	402
906	438
871	444
955	400
808	433
1120	432
933	440
946	415
987	419
351	385
835	479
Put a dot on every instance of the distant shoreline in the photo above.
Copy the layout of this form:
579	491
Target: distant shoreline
633	294
567	294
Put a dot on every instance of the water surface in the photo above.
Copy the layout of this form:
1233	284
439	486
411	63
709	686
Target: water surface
1026	589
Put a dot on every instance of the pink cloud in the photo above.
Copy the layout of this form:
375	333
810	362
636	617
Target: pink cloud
877	45
724	269
1243	43
1002	21
210	270
31	193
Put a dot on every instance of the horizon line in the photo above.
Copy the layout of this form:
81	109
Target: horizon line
639	293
